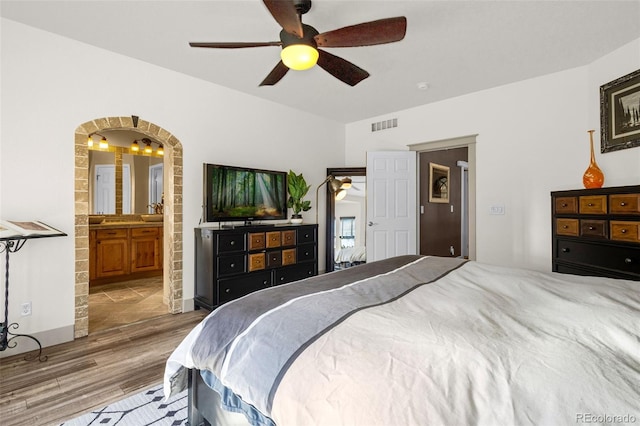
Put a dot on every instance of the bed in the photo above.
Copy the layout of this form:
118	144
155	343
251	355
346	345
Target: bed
347	257
418	340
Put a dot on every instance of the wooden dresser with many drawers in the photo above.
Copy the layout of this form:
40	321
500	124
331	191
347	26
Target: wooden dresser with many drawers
231	263
597	232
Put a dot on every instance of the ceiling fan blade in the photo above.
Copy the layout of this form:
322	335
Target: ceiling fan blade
275	75
238	45
341	69
371	33
285	13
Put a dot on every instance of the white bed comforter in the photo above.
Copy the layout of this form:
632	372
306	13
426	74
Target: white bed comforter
482	345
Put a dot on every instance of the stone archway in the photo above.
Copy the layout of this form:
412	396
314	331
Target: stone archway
172	219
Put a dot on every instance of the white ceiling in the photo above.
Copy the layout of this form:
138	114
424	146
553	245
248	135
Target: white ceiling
456	47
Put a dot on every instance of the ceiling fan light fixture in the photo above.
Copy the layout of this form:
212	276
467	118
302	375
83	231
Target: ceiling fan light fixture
299	56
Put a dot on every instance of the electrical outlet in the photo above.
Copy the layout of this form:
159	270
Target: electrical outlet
26	309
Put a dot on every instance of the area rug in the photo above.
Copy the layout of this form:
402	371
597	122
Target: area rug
142	409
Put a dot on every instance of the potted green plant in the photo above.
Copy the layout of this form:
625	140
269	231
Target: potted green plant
298	188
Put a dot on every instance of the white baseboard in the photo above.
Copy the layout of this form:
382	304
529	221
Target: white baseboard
188	305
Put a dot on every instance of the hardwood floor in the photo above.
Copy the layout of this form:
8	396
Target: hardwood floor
89	372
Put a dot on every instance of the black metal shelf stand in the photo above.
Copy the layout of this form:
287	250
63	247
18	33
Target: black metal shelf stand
12	245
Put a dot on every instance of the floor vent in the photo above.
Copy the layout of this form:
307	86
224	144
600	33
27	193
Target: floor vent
384	125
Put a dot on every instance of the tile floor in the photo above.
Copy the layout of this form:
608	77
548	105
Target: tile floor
116	304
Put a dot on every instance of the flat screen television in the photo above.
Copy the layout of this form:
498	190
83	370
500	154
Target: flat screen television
233	194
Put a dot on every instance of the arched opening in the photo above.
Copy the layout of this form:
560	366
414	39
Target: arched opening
172	217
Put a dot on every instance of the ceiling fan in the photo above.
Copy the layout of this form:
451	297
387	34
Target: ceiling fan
300	42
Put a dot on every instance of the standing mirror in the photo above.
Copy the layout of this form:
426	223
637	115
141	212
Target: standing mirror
345	221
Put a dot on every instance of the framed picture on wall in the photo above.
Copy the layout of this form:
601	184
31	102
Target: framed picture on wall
438	183
620	113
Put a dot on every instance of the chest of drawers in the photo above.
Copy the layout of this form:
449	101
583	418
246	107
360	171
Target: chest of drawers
231	263
597	232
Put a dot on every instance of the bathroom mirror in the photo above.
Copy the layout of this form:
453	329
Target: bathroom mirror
345	221
121	181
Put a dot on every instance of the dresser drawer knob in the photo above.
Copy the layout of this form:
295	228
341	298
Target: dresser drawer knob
233	265
281	278
233	243
565	226
622	204
623	231
590	204
628	261
265	282
565	250
591	228
564	204
227	290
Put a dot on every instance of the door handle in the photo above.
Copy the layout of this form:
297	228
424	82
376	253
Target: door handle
371	223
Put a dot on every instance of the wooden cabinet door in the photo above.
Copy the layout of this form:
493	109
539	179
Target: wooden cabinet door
145	254
112	257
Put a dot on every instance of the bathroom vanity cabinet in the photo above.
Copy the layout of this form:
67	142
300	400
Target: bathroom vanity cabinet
120	252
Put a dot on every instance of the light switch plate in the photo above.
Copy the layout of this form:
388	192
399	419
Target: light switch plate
496	209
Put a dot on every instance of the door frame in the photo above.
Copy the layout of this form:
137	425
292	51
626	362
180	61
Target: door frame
172	224
468	141
331	209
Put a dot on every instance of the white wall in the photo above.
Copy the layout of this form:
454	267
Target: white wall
51	84
532	139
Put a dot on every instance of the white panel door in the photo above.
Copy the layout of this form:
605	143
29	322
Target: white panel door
104	189
391	204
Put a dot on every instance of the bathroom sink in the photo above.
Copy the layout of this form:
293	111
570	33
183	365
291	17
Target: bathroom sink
152	217
95	219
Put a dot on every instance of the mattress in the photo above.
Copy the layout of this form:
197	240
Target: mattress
424	340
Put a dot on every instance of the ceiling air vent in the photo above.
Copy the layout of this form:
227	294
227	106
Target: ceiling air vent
384	125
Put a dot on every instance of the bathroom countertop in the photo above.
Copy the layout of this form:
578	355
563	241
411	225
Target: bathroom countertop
137	224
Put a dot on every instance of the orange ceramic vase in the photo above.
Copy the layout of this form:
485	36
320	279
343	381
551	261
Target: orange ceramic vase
593	177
